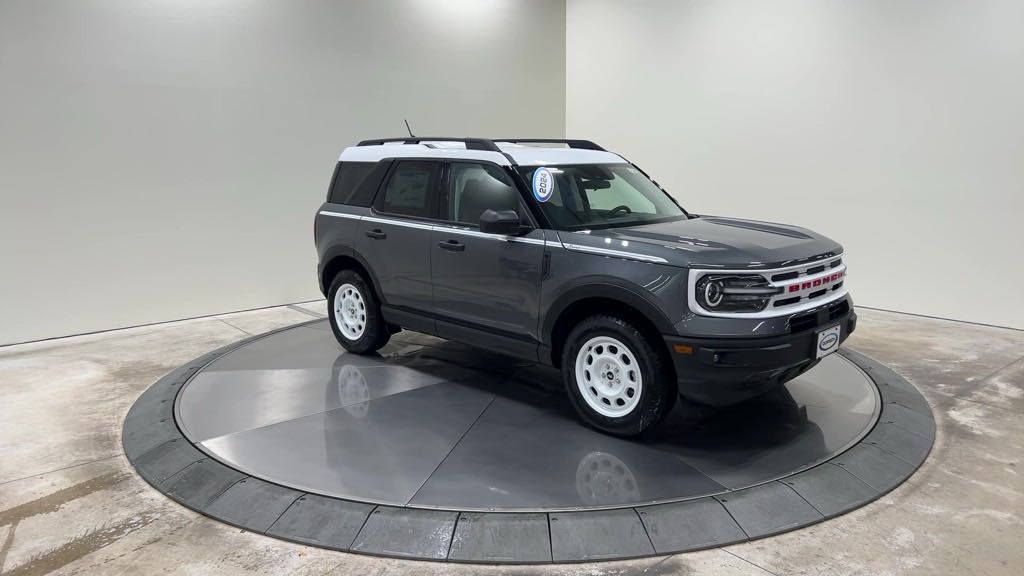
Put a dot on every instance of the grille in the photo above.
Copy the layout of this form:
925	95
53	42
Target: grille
797	288
804	285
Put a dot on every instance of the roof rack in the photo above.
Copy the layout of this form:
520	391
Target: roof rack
581	144
487	144
471	143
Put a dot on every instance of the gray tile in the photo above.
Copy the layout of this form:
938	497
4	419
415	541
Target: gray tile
910	447
911	420
583	468
831	489
599	534
768	509
321	521
166	460
689	525
382	452
226	401
197	485
912	399
293	348
519	538
877	468
252	504
879	372
144	437
407	532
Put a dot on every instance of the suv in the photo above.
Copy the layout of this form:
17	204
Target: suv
559	252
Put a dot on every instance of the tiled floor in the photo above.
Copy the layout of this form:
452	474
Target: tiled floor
70	503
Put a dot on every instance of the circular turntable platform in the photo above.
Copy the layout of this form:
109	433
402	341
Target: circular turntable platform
436	450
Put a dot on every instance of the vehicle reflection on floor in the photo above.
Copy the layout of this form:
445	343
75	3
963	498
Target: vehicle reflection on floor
431	423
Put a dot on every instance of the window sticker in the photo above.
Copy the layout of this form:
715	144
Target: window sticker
543	184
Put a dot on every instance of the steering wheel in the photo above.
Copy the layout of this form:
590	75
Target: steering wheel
622	208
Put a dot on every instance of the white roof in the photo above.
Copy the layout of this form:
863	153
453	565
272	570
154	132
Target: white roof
524	155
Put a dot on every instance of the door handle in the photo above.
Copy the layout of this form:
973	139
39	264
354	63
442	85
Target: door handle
452	245
376	234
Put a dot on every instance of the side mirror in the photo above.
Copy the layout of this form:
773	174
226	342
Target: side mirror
500	222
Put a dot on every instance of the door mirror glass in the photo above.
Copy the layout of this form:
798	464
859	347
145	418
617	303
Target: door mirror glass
499	222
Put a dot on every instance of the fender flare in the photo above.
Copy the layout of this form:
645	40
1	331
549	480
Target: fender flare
340	252
606	288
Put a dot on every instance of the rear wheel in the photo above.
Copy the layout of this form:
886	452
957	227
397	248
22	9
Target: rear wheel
354	314
617	380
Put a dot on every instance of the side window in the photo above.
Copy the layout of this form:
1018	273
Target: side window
408	190
348	177
474	188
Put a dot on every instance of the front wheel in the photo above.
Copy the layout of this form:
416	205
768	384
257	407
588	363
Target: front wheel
355	315
617	380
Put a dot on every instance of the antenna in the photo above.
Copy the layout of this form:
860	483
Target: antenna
409	129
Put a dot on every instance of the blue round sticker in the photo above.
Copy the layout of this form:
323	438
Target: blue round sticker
543	184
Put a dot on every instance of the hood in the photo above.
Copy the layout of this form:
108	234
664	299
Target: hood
712	242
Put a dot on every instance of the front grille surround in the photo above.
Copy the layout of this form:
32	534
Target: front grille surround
802	287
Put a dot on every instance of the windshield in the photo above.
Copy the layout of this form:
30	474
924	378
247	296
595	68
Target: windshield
588	196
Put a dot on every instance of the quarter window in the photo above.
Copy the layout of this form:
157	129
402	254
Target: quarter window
408	189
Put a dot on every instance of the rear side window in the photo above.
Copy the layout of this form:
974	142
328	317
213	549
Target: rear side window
408	191
347	178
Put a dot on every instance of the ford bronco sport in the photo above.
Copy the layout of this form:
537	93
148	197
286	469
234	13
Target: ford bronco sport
559	252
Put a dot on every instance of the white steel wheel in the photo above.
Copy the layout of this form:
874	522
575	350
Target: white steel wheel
350	312
608	377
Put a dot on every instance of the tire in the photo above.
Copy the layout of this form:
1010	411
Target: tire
354	314
612	349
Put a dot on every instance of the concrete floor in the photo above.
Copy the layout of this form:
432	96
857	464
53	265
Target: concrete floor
71	504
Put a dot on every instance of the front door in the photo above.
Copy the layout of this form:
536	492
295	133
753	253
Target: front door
487	282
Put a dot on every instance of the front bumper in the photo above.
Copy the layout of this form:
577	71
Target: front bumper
723	371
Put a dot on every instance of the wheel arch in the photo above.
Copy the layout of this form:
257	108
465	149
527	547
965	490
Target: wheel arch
583	301
348	260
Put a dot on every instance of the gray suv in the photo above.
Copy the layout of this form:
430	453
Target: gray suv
559	252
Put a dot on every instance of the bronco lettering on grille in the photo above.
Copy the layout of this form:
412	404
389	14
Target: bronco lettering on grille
817	282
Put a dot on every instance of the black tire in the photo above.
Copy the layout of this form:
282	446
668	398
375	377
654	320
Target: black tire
658	390
375	332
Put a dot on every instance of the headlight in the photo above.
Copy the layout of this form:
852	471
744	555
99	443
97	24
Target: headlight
734	292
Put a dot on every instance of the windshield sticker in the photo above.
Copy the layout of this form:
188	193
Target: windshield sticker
543	184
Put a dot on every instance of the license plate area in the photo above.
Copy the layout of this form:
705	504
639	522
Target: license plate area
827	341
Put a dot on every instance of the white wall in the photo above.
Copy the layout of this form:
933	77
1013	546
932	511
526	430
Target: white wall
894	126
163	159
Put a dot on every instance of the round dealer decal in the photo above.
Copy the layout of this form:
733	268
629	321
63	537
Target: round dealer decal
543	184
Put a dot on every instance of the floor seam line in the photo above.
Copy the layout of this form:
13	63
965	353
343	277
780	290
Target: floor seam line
801	496
352	544
451	540
160	323
729	512
941	318
61	469
304	311
972	401
285	511
318	412
980	381
233	326
754	564
454	446
644	526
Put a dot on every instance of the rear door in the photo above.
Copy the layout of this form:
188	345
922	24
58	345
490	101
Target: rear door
395	237
484	281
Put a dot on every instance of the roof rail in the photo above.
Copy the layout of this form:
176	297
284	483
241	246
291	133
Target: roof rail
471	143
582	144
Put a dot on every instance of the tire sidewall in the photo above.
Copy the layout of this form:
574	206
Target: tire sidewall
374	331
657	394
